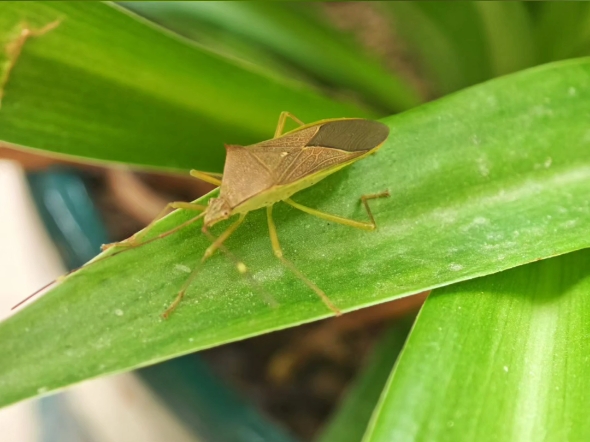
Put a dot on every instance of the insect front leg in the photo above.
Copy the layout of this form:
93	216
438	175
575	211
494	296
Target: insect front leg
276	247
135	240
103	258
283	119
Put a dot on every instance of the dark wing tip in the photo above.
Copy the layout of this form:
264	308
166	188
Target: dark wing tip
351	135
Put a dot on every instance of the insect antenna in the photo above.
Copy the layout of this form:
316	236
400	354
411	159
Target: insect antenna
21	302
127	248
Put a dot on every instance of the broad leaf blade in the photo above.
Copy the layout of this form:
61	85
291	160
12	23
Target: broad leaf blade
106	86
511	364
484	180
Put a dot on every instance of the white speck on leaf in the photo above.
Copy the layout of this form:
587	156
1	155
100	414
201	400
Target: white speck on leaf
271	274
119	312
455	267
572	91
182	268
483	166
506	368
542	111
477	221
569	224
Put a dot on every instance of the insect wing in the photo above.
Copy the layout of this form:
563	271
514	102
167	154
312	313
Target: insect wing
244	175
318	147
350	135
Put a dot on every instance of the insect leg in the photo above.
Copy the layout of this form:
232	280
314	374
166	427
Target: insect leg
183	290
210	250
341	220
225	235
276	247
372	196
243	269
129	247
207	177
133	240
283	119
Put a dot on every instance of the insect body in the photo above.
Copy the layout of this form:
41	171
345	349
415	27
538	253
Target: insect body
262	174
265	173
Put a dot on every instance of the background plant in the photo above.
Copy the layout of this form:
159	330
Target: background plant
484	180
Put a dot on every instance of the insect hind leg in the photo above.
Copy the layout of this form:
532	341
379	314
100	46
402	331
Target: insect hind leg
365	200
371	225
276	247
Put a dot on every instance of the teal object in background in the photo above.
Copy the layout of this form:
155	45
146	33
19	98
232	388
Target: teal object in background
201	401
69	215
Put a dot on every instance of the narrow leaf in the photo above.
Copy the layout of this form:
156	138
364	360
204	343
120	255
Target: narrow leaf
498	358
509	35
448	40
562	30
299	36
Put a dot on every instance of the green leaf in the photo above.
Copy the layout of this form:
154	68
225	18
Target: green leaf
448	40
172	16
298	36
462	43
499	358
105	85
509	35
352	417
563	30
481	181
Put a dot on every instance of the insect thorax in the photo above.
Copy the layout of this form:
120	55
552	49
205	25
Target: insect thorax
217	210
